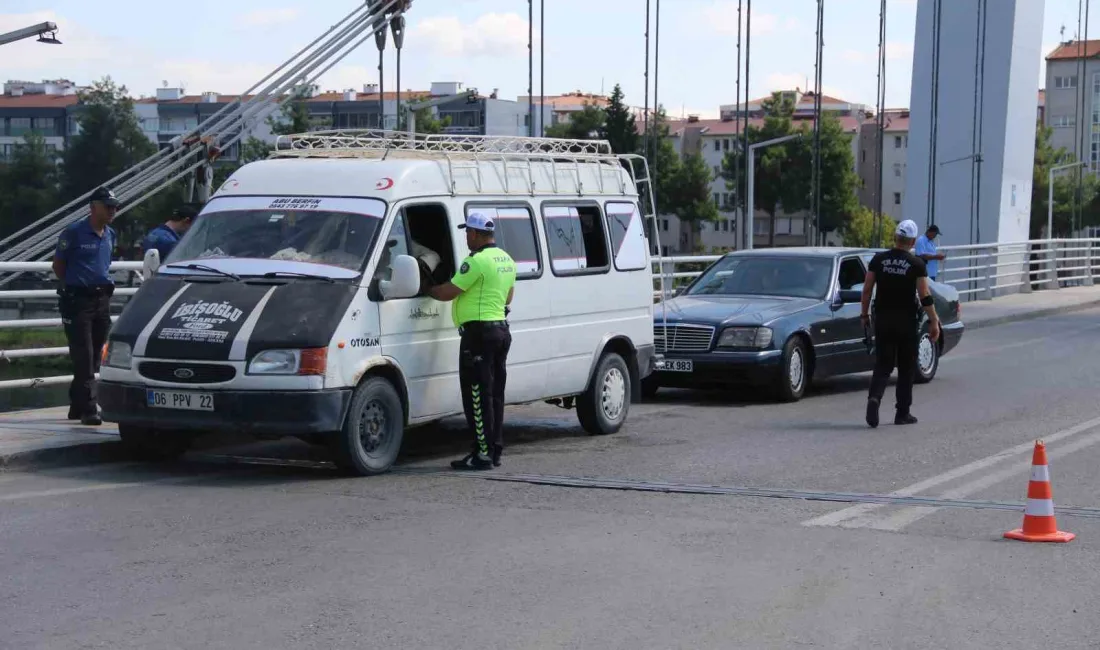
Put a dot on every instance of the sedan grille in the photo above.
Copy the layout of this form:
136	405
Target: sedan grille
683	338
180	372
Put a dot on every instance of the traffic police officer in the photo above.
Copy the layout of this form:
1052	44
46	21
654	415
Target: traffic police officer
482	290
165	236
900	277
82	263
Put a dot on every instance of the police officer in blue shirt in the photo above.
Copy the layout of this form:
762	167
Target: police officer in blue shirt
82	262
165	236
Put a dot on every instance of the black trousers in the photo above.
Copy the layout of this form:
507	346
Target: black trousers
86	315
482	372
895	345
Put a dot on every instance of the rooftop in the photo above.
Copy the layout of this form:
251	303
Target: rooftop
1071	50
733	127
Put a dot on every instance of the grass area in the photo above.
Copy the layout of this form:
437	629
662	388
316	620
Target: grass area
40	337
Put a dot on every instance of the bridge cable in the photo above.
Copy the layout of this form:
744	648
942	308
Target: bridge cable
645	110
739	153
880	127
933	143
1086	148
815	175
749	209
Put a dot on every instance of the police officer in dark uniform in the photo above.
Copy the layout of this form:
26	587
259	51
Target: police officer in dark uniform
900	277
165	236
82	262
482	290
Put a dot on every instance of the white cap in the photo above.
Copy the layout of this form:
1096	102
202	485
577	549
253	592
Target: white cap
907	229
479	221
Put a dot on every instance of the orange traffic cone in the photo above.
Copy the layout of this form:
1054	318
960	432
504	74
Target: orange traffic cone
1039	524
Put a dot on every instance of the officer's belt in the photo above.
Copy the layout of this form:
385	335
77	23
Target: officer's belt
87	292
479	325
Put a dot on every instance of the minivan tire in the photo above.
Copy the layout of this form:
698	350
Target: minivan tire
373	429
603	407
148	444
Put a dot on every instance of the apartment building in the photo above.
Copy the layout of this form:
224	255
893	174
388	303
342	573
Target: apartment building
40	107
895	149
1072	99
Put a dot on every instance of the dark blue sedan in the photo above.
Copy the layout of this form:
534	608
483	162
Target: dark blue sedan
780	318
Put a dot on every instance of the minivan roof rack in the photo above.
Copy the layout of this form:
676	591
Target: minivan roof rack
373	143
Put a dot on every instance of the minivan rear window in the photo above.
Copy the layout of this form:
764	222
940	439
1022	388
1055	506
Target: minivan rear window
515	234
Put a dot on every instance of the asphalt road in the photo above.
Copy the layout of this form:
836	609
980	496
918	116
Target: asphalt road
266	547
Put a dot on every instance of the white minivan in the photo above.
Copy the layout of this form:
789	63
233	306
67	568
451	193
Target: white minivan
296	305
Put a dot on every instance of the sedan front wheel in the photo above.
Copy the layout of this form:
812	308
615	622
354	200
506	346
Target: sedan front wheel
794	372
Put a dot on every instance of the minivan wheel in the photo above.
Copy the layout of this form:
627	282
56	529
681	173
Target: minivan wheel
794	372
602	408
371	437
928	358
146	443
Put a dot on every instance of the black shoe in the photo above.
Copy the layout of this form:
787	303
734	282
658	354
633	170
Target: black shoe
73	414
872	413
92	420
905	418
498	451
473	462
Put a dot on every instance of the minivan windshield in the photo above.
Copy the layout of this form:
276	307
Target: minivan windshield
793	276
283	230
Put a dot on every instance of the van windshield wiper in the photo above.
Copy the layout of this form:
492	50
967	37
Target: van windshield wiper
203	267
275	274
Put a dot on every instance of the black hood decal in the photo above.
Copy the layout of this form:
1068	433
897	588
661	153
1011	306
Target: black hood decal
170	318
203	321
301	314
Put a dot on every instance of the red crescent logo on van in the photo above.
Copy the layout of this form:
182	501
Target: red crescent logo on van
384	184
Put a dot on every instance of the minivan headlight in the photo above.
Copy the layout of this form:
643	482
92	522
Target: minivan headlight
310	361
756	338
119	355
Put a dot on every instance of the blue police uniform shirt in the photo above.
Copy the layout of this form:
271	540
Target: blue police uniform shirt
86	254
162	238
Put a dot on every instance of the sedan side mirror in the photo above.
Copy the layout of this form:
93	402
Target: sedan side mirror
150	264
849	296
404	279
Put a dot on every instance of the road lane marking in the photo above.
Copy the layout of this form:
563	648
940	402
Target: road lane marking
102	486
864	509
910	515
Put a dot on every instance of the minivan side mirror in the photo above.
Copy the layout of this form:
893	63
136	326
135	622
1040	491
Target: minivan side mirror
404	279
150	264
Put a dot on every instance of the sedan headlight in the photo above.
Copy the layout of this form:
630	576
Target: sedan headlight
311	361
755	338
119	355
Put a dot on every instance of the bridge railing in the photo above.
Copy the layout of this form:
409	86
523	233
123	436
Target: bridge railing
978	272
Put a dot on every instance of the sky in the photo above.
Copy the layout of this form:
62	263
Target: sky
590	45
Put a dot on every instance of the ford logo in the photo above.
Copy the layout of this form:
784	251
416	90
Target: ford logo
198	326
184	373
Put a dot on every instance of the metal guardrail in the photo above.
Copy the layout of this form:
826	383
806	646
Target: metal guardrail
978	272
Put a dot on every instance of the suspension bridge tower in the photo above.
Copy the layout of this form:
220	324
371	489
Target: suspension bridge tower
976	67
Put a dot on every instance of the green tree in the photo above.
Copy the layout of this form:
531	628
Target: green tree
664	164
784	172
427	123
585	124
29	184
690	196
619	127
110	139
858	231
1065	190
293	115
253	149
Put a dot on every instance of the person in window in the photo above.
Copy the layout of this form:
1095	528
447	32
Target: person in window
165	236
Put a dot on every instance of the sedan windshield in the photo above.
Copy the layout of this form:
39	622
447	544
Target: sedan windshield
796	277
341	239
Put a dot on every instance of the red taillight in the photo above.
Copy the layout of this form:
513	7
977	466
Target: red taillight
314	361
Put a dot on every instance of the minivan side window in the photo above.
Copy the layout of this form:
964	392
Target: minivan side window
515	234
424	232
576	239
627	230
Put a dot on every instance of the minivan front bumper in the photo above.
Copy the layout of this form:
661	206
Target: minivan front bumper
260	413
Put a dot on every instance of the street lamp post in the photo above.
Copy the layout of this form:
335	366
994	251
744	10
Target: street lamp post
46	33
750	170
1050	194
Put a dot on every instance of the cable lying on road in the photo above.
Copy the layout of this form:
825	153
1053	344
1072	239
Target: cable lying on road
767	493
